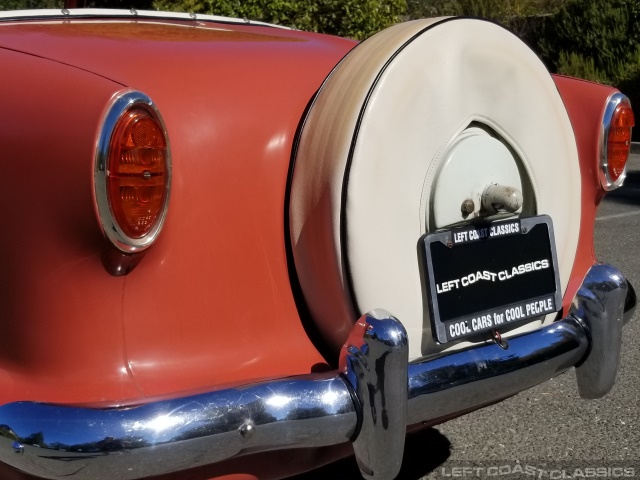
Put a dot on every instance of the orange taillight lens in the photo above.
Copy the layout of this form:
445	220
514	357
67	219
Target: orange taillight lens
132	172
619	140
137	172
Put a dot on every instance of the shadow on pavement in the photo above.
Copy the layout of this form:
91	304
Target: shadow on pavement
423	452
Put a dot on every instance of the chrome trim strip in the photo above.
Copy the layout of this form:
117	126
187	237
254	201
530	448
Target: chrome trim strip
613	101
55	441
89	13
120	103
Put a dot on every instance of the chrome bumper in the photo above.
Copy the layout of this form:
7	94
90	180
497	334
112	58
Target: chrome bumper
366	401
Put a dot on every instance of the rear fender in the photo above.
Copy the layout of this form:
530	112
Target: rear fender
585	103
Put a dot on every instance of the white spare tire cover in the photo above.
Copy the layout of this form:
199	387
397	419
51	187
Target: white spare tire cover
369	155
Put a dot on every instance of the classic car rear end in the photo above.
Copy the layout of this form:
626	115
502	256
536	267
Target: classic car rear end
207	218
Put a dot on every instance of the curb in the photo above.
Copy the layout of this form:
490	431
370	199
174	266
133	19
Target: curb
635	147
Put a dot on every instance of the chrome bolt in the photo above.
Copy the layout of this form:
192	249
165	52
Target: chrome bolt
467	207
17	448
247	429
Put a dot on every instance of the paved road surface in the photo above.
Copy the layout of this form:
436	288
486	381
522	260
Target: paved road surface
549	423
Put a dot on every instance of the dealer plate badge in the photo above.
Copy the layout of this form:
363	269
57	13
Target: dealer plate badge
490	276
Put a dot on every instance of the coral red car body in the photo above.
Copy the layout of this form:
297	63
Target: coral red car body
214	302
216	117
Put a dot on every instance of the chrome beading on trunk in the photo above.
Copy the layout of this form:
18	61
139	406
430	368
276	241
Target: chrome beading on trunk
57	442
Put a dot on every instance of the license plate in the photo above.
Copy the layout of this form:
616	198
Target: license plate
490	276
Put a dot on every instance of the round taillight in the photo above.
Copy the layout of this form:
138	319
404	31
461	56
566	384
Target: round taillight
619	141
133	172
617	124
136	174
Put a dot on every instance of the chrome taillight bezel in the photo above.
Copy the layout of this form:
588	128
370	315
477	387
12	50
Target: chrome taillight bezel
606	181
120	104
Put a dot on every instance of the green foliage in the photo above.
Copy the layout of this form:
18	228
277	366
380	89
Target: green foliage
125	4
616	72
600	33
29	4
430	8
507	12
596	40
349	18
58	4
575	65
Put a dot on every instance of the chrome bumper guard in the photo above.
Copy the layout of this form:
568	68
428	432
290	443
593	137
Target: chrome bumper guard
370	400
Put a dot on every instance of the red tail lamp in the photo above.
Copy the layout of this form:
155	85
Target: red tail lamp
617	124
133	172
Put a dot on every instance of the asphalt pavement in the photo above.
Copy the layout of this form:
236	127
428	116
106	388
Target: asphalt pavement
548	431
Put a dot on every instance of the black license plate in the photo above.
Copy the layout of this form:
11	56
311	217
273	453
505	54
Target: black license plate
490	276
